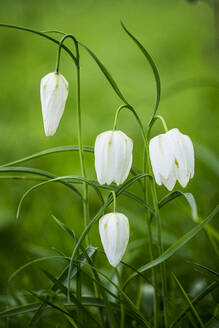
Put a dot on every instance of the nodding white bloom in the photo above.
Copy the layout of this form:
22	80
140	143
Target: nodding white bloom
53	92
114	234
172	158
113	157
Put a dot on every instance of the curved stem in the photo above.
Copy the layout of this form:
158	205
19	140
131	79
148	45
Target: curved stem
22	28
152	123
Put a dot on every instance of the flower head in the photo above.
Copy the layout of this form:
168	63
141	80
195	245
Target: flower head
113	157
53	92
114	233
172	158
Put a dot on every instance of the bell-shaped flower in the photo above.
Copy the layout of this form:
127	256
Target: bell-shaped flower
113	157
53	92
172	158
114	234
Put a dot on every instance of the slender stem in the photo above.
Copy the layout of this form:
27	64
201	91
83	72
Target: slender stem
163	122
150	243
81	154
122	320
146	159
114	201
159	237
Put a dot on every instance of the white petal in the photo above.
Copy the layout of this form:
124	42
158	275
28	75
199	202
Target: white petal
114	233
54	92
170	182
113	157
190	157
161	155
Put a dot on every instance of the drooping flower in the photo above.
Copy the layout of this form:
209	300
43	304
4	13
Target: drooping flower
172	158
114	234
113	157
53	92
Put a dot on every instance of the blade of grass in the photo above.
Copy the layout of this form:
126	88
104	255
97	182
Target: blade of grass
57	179
154	69
106	73
47	152
176	246
192	307
189	198
40	173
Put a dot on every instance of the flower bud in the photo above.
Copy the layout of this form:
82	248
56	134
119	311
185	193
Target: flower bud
53	92
113	157
172	158
114	234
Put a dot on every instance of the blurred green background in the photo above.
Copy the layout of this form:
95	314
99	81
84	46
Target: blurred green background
182	38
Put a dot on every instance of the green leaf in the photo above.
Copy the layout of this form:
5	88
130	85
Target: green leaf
52	304
74	299
176	246
90	251
26	29
193	309
106	73
138	314
211	287
188	196
38	260
57	179
47	152
22	309
153	66
212	272
40	173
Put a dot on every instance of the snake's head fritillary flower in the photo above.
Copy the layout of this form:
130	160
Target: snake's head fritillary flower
172	158
113	157
114	234
53	92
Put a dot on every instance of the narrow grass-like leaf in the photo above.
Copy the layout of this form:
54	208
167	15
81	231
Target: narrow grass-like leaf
210	288
212	272
26	29
90	251
193	309
74	178
40	173
41	259
126	297
176	246
106	74
18	310
47	152
64	227
153	66
188	196
53	305
74	299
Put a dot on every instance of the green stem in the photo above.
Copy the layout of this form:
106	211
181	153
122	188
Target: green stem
122	318
162	121
81	154
159	239
146	145
114	201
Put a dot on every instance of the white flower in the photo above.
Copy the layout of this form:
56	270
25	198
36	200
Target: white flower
53	92
172	158
114	233
113	157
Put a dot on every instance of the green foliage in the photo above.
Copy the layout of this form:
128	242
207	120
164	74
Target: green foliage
52	277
